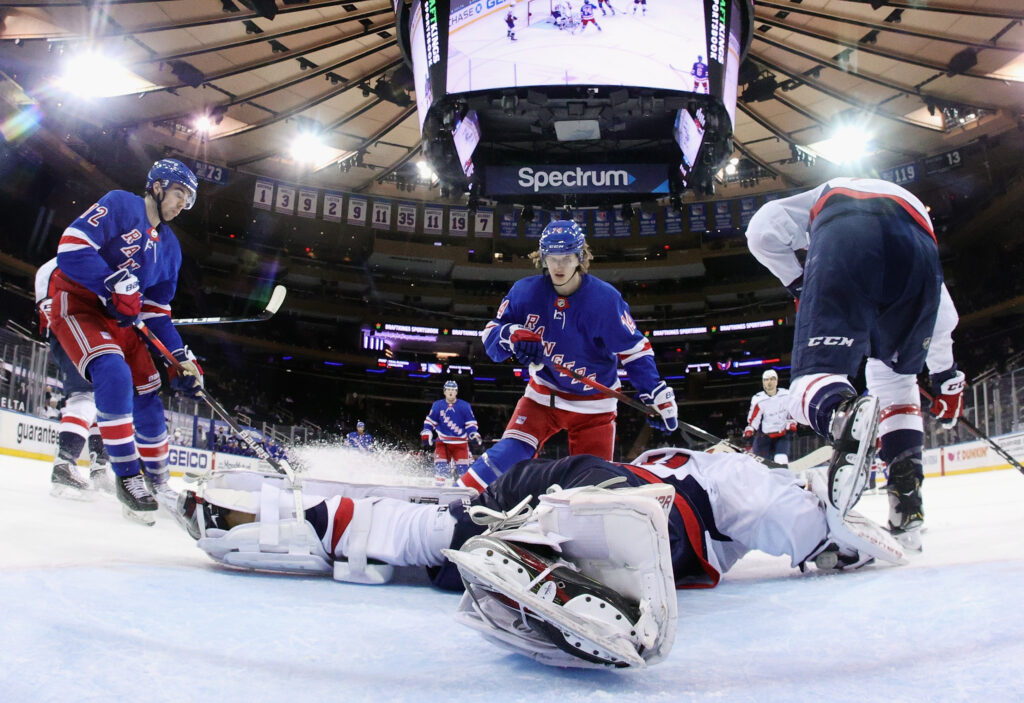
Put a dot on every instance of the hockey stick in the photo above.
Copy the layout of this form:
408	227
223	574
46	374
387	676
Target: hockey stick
684	427
273	305
279	465
980	435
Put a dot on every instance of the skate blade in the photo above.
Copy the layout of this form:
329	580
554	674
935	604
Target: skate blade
143	518
59	490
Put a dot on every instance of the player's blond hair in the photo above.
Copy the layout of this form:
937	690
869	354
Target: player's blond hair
584	265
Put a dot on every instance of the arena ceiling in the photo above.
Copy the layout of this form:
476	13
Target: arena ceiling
921	76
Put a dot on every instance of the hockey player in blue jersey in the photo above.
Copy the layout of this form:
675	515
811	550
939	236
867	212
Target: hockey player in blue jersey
116	264
587	16
360	439
510	23
455	427
601	4
579	321
871	285
699	71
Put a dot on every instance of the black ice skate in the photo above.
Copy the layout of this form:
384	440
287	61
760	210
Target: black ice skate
133	494
853	429
65	482
906	509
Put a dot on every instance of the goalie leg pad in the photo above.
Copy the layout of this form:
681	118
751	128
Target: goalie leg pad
614	544
855	541
297	548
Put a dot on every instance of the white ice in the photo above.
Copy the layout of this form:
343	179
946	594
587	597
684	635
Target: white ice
96	608
656	50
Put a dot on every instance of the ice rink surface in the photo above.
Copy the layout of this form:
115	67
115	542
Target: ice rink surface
96	608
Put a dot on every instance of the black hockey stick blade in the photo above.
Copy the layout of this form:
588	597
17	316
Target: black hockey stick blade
277	297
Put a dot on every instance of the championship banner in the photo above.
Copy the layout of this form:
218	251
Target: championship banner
723	214
648	223
582	218
284	203
621	227
332	206
510	223
381	214
602	224
537	224
357	211
263	196
483	223
673	221
406	217
698	217
458	222
306	206
433	220
748	206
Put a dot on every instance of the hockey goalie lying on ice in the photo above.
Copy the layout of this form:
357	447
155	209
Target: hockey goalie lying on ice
582	576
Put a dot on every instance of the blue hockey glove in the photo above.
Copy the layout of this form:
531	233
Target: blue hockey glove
525	345
663	399
189	381
125	301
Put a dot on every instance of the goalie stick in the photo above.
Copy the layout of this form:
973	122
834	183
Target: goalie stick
980	435
279	465
684	427
273	305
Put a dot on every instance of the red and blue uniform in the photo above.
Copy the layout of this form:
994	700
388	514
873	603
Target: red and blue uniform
453	423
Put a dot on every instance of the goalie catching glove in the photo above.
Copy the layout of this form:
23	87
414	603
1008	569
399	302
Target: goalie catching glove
948	391
525	345
189	380
585	580
663	399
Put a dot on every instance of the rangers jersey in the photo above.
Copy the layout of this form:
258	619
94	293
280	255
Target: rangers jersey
590	331
115	234
770	413
453	423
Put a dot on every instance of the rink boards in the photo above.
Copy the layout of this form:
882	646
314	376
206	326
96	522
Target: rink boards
32	437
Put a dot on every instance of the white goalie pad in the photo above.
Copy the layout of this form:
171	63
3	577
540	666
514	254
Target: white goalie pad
294	548
617	538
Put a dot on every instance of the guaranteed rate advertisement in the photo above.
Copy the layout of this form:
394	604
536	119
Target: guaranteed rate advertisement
494	44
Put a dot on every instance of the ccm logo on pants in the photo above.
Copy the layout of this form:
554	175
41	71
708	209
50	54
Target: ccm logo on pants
830	342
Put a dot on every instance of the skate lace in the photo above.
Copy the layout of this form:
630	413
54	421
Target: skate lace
496	520
136	486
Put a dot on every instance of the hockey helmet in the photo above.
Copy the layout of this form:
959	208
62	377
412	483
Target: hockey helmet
168	171
360	425
562	237
451	385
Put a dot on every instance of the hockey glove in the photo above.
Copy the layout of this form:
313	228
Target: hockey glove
426	440
476	442
188	381
525	345
948	389
792	426
796	288
748	432
125	301
663	399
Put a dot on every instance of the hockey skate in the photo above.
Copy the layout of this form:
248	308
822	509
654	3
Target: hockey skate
852	431
99	473
906	511
66	482
166	497
135	498
196	515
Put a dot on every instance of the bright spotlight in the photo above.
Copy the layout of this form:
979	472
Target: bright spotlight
306	147
203	124
730	169
91	74
425	171
848	143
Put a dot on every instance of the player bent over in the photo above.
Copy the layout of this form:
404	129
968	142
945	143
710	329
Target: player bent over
117	264
871	286
571	561
453	422
579	321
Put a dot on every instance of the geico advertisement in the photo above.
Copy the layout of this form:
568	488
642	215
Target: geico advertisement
187	459
28	434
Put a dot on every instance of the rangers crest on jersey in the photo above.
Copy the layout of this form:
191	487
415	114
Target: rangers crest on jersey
561	303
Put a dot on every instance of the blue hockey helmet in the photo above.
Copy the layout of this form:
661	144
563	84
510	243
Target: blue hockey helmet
451	385
360	425
168	171
562	237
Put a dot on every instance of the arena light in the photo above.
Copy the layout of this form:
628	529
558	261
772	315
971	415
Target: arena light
306	147
848	143
92	74
426	173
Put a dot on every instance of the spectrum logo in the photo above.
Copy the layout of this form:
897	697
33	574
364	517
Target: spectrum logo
578	177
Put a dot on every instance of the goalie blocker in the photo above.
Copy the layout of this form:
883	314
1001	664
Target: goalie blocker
583	576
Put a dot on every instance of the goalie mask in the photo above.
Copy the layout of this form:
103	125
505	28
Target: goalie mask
583	581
